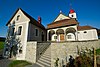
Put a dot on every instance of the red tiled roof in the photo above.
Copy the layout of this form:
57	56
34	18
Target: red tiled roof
84	28
65	22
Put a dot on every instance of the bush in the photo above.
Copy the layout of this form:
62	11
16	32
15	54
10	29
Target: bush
98	51
83	61
19	63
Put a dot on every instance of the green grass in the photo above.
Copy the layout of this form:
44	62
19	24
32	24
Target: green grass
98	51
1	45
19	63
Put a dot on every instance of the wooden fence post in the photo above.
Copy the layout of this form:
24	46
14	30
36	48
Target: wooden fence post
94	52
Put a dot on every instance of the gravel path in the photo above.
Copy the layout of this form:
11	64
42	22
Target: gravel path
4	62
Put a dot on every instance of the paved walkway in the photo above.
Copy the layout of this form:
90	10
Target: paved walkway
4	62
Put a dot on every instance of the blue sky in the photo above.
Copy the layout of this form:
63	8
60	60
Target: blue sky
88	11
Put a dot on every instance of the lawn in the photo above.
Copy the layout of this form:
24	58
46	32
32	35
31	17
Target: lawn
1	45
19	63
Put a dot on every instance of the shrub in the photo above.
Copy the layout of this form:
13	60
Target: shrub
83	61
98	51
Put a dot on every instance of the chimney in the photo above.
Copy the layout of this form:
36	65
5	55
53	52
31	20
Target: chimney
39	19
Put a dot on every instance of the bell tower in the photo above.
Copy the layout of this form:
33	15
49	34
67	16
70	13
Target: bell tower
72	14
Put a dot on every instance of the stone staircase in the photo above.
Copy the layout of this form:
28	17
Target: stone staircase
44	60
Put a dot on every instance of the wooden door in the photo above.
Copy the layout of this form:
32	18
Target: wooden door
61	37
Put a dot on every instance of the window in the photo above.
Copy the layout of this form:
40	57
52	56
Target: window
55	37
12	31
13	22
69	37
20	51
85	32
18	17
19	30
36	32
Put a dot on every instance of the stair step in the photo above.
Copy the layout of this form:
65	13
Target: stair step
44	64
46	57
45	60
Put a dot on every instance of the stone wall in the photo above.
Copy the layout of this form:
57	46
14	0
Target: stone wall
63	50
31	52
34	50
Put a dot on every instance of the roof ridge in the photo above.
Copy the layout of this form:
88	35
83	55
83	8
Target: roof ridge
31	18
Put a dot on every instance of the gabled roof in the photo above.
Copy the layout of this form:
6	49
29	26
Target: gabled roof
32	20
64	17
62	23
84	28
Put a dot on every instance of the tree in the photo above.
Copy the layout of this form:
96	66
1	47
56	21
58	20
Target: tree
12	43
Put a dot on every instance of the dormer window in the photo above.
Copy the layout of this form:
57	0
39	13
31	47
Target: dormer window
18	17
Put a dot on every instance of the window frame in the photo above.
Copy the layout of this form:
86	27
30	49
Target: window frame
19	30
55	37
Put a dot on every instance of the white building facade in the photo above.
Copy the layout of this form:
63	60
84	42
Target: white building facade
23	28
67	28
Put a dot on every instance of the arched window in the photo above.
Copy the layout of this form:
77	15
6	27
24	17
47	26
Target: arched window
70	34
19	30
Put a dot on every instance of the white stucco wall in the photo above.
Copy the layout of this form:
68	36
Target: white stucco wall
22	21
89	35
74	15
53	39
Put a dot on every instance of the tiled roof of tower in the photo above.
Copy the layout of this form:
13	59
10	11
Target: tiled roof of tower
62	23
32	20
84	28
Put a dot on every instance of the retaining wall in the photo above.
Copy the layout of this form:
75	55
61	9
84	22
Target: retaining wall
34	50
63	50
